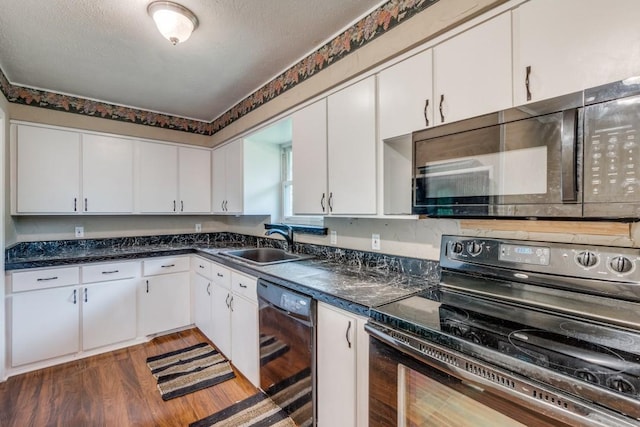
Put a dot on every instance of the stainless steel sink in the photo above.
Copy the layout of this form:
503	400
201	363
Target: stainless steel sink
264	256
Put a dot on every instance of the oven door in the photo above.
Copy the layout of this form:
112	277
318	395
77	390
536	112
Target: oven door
416	383
516	163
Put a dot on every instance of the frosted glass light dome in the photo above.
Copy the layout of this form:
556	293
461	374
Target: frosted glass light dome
175	22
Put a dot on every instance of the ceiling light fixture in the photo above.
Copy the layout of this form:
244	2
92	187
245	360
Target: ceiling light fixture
175	22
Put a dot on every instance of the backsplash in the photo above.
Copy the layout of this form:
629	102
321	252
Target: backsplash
60	249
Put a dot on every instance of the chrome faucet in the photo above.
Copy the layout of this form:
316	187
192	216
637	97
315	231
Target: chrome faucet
288	235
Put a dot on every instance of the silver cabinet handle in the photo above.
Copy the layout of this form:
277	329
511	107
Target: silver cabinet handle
44	279
86	206
220	275
147	286
222	206
231	303
111	272
226	301
226	209
209	288
200	265
75	296
75	204
168	265
526	82
86	295
346	335
174	205
181	205
330	202
426	117
440	108
243	286
322	202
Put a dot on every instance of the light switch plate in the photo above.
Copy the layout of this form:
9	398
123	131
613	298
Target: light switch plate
198	228
79	231
375	242
333	236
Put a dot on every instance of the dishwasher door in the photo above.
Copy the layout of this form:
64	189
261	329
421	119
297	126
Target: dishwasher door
287	350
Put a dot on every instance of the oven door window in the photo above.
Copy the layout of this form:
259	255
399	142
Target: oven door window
444	401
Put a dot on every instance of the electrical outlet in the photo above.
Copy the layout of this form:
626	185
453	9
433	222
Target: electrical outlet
198	228
79	231
333	237
375	242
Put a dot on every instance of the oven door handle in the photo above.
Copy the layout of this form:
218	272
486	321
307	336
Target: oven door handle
569	173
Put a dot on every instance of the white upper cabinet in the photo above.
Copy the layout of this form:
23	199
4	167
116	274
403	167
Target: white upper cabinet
48	170
351	124
173	179
571	45
194	180
309	150
157	178
227	178
107	174
405	96
472	71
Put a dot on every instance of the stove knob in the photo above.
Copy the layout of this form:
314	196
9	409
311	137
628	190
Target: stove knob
587	376
621	385
587	259
474	248
621	264
457	247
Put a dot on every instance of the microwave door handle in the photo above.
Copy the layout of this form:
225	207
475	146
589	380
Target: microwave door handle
569	189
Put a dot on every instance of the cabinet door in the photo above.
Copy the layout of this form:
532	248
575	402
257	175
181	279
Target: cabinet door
245	346
219	180
472	71
48	170
202	297
194	180
234	177
336	368
405	96
44	324
157	178
108	313
309	150
221	319
573	45
352	149
107	174
164	303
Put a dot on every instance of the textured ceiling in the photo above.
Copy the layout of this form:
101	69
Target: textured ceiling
110	50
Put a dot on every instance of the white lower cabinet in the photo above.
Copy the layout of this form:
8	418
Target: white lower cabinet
202	304
235	320
44	324
108	313
163	303
342	368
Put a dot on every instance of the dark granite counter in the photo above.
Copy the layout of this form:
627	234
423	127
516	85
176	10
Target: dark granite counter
352	280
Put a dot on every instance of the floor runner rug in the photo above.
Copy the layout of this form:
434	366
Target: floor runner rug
271	348
288	400
190	369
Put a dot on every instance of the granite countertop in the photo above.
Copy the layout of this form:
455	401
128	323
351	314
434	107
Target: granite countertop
348	283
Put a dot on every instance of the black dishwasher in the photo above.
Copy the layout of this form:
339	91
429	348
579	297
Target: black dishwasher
287	350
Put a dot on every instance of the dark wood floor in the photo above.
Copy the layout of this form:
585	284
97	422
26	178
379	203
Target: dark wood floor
113	389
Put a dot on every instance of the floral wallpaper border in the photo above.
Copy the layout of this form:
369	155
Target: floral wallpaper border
384	18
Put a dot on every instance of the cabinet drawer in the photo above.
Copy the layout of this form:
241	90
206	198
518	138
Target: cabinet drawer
221	275
111	271
244	285
202	267
152	267
42	279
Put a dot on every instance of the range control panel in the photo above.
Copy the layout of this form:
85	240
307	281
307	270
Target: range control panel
584	261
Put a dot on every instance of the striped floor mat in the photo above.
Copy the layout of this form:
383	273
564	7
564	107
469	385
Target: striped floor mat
271	348
190	369
288	403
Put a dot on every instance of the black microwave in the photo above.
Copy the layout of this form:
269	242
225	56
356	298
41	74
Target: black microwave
573	156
